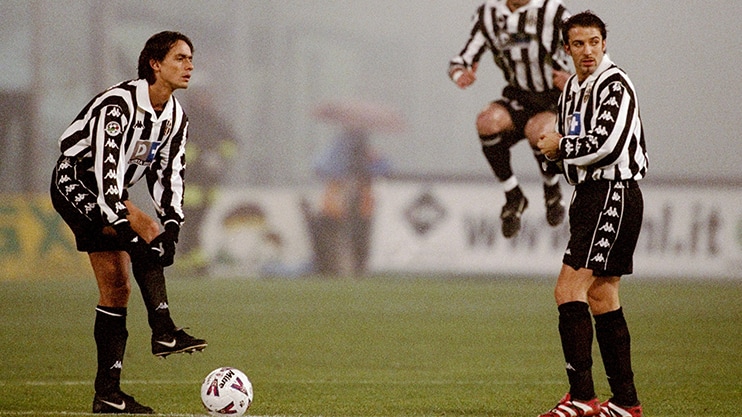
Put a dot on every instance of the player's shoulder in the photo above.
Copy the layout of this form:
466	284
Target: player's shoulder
124	90
493	5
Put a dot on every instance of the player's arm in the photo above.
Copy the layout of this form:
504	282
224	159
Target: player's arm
165	179
608	127
561	62
463	67
110	162
109	147
166	187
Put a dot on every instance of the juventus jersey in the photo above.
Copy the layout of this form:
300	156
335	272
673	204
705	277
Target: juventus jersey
120	138
526	43
603	137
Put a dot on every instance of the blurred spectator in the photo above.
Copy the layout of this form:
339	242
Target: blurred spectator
211	151
341	228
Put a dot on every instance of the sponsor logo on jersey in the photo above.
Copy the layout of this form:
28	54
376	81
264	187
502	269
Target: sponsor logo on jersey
575	124
144	152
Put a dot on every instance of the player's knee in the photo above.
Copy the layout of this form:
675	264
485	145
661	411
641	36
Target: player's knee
493	120
146	227
151	231
539	125
115	292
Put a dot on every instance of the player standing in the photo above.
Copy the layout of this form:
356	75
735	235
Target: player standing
524	37
133	130
600	145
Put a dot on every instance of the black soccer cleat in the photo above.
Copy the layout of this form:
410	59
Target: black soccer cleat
177	341
554	204
513	209
118	403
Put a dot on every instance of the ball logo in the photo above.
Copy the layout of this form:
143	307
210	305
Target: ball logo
213	388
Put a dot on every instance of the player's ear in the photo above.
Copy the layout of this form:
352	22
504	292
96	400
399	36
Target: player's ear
155	64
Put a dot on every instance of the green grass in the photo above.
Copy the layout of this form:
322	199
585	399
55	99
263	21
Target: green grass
372	347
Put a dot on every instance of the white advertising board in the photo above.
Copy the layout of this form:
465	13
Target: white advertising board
687	232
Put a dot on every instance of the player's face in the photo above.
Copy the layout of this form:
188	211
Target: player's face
586	47
175	70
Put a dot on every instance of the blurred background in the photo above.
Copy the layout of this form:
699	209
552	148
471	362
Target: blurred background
263	68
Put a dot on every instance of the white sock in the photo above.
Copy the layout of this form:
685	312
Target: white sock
510	183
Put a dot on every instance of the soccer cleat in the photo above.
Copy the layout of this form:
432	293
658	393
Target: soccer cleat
118	403
608	409
177	341
554	204
572	408
511	212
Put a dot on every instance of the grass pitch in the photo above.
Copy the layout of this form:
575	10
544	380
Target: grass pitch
382	346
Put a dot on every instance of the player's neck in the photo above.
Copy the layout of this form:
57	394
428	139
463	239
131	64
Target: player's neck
159	96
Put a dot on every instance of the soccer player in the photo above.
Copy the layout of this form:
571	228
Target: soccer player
524	37
599	142
133	130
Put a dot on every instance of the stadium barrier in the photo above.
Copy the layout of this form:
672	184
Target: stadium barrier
34	241
418	228
688	232
454	228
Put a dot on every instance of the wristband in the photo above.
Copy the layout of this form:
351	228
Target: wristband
457	74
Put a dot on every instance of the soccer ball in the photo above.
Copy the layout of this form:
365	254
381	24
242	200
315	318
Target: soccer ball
226	391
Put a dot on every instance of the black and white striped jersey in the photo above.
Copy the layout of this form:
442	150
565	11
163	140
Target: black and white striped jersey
602	133
120	139
526	43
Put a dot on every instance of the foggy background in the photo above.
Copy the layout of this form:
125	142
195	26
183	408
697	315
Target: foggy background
260	66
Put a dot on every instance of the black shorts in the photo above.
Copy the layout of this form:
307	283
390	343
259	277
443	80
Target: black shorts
79	209
522	105
605	218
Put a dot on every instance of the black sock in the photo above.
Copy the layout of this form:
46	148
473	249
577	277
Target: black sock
151	281
110	339
614	341
498	157
576	331
514	194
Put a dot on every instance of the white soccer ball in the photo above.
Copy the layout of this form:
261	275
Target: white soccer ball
226	391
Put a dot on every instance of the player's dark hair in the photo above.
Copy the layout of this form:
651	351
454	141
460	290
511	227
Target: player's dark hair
586	19
157	47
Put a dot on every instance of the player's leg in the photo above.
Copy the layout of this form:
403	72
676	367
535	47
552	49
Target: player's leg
576	334
497	134
166	337
611	329
614	340
70	198
538	125
111	269
150	277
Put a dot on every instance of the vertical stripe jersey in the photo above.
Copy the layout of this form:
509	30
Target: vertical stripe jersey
602	132
526	43
120	138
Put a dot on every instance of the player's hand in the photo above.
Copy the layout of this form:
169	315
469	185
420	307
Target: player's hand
548	144
164	245
463	76
138	249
